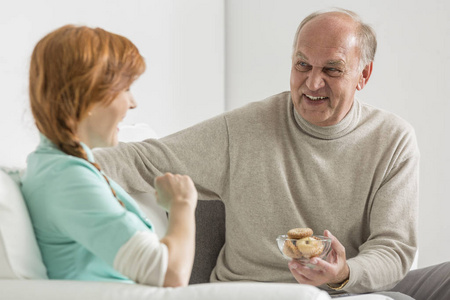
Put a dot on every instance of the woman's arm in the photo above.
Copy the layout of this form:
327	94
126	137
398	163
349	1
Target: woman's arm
145	259
177	194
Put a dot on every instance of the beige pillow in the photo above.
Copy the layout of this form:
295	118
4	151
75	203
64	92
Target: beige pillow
19	253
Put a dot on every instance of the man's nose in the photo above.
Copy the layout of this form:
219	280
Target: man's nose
315	80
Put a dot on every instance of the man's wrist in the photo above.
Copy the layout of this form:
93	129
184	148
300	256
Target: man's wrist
338	286
343	280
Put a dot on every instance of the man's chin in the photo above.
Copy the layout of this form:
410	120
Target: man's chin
315	118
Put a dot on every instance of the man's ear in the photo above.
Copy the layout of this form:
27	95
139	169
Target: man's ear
364	77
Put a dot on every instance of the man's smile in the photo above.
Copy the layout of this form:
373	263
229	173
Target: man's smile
315	98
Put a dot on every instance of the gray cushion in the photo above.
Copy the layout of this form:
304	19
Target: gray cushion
209	239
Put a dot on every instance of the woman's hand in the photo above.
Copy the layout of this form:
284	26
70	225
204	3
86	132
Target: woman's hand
334	270
173	189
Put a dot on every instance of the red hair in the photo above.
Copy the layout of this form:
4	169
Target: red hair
72	69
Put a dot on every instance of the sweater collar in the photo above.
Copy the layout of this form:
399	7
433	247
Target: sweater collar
345	126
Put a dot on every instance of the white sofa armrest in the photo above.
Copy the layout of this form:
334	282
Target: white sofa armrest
75	290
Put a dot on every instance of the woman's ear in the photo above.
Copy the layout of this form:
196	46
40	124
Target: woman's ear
364	77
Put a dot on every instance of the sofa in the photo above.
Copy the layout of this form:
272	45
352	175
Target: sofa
23	274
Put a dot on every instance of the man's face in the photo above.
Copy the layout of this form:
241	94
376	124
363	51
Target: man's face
325	73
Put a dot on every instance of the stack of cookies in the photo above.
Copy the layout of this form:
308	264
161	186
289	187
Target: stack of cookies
302	244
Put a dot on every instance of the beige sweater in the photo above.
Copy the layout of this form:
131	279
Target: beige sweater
274	171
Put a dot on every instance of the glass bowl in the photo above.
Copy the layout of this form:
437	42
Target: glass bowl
317	246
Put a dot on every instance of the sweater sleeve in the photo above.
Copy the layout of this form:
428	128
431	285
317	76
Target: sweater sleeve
200	151
387	255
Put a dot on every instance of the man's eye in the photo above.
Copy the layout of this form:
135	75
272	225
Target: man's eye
302	66
333	72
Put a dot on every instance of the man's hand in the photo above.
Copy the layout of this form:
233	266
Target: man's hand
333	270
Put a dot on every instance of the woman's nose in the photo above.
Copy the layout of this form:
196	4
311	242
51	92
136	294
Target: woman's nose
132	102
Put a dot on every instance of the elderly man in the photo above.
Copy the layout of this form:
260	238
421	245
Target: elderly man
313	157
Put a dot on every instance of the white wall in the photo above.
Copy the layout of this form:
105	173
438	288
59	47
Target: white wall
410	78
182	42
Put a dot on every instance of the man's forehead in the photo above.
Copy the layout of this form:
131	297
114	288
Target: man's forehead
328	32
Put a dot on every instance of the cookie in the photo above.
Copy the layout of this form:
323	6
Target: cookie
290	250
299	233
309	247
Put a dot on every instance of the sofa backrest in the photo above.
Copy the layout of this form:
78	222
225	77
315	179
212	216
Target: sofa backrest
19	253
209	238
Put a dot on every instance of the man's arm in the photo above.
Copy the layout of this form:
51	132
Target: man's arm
386	257
200	151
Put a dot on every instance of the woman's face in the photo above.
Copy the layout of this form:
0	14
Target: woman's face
99	128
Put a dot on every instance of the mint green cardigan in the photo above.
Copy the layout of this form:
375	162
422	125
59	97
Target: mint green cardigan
79	224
